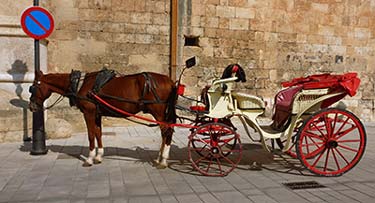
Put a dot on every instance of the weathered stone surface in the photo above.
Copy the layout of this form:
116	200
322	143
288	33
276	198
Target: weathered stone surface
273	40
58	128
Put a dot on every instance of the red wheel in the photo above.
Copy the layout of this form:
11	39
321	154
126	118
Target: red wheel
331	142
214	149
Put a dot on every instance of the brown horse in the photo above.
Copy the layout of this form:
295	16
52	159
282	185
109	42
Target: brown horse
148	92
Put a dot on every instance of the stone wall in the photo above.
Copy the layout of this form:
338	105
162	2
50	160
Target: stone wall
129	36
277	40
274	40
16	72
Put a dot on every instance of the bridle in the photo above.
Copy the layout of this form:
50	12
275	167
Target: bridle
35	86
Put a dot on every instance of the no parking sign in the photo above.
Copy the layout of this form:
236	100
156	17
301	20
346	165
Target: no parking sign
37	22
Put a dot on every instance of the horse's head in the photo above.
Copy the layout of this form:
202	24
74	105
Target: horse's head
39	92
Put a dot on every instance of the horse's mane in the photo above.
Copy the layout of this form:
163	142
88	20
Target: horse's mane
240	73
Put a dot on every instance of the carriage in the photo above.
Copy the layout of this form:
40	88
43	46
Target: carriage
328	141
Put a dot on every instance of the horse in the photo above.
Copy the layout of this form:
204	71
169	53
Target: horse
147	92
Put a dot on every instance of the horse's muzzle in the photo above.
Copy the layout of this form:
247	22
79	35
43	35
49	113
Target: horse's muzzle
34	107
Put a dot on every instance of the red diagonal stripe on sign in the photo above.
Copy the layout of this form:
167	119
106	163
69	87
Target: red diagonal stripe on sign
37	22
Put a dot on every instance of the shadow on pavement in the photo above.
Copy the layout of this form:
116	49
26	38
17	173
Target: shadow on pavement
179	161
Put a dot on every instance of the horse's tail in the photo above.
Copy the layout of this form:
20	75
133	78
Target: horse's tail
170	114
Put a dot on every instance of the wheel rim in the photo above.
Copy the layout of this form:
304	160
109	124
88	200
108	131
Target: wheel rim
214	149
331	142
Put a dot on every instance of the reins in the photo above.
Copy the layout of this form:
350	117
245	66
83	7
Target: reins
58	100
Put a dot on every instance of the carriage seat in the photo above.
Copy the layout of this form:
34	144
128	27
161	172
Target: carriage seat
248	101
283	105
311	88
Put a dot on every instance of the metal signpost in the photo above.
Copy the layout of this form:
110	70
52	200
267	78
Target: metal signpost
37	23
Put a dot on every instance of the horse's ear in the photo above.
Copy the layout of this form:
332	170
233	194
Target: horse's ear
38	73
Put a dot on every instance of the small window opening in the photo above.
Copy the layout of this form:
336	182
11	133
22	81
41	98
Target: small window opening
192	41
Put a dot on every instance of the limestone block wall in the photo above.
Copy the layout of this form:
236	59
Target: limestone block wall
16	72
130	36
273	40
277	40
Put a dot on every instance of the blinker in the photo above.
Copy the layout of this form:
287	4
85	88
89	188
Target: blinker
32	89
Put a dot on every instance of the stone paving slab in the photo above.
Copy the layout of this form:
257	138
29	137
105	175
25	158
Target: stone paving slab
127	173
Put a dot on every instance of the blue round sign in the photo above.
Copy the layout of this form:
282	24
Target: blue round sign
37	22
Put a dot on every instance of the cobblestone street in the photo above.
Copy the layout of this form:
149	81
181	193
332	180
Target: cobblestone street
127	174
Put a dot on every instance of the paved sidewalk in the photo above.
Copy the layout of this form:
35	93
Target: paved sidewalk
127	174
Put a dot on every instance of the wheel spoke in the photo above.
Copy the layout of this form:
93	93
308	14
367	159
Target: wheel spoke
228	160
328	125
201	140
323	135
342	156
336	161
200	159
343	133
342	125
334	124
226	140
312	144
219	165
317	151
310	134
307	146
209	165
348	148
340	141
316	144
231	150
320	156
201	149
326	162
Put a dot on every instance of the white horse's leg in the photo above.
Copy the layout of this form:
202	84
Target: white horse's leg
89	160
158	158
165	155
99	156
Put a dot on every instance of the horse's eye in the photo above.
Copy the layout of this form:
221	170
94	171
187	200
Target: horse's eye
32	89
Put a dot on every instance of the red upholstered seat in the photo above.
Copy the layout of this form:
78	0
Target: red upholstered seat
283	105
347	83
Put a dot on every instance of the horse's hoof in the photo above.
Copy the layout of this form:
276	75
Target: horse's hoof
86	164
255	166
161	166
97	161
155	163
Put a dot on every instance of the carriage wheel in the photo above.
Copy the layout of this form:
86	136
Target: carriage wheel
331	142
214	149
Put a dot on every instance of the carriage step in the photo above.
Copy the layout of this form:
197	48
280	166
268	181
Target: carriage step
303	185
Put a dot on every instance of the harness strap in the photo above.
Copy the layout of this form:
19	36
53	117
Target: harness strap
149	85
102	78
125	113
132	101
76	81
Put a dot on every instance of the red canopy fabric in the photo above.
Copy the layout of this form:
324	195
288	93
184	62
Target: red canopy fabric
348	82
